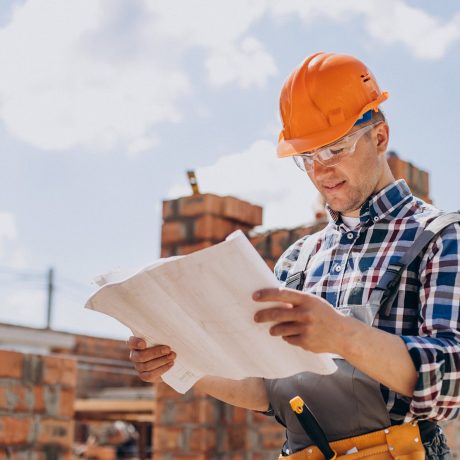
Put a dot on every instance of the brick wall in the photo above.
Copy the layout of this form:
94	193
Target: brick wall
417	179
37	396
196	426
199	221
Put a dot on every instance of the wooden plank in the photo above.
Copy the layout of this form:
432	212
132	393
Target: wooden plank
114	405
87	417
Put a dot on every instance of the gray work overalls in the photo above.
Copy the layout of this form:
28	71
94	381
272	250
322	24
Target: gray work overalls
346	403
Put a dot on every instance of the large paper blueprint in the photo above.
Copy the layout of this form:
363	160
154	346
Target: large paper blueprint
201	306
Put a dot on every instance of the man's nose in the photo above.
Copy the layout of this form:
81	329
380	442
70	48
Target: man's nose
318	169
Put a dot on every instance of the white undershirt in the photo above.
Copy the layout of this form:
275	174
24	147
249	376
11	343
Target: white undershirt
351	222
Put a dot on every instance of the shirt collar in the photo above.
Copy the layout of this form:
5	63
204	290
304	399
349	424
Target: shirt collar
381	204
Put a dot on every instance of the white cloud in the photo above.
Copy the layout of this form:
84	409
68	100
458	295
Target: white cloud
24	306
247	64
424	35
258	176
58	93
62	84
11	253
391	22
7	229
100	74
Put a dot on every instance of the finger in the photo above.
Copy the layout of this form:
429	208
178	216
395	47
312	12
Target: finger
154	363
287	329
136	343
280	295
154	376
281	314
142	356
293	340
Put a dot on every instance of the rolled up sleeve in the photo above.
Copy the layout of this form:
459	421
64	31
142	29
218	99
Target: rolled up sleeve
436	350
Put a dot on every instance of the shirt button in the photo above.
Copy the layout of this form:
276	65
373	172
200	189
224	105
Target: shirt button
376	219
350	236
338	268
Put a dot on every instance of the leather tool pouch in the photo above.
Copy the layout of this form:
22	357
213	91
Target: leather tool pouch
399	442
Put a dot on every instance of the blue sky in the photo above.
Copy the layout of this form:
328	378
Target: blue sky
105	104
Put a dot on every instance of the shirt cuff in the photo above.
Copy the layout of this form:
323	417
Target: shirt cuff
429	357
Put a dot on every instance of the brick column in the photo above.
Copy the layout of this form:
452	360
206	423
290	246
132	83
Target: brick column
199	221
186	426
37	395
416	178
196	426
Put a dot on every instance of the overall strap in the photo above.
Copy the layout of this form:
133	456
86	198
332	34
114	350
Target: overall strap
387	288
297	279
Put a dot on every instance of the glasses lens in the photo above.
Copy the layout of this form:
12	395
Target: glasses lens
303	162
335	153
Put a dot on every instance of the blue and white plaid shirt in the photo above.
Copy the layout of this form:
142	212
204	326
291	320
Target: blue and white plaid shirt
345	265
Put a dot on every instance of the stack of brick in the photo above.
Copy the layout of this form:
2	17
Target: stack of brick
417	179
37	395
196	426
271	244
199	221
102	363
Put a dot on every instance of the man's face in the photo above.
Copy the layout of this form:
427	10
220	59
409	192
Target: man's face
347	185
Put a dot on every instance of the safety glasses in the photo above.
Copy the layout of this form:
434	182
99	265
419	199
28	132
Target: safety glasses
333	153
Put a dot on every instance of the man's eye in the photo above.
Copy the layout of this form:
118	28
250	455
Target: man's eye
336	151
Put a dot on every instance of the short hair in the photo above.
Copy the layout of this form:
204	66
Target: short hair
378	116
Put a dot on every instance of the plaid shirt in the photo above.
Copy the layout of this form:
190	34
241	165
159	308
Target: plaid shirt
345	265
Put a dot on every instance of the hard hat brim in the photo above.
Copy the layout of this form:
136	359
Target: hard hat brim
290	147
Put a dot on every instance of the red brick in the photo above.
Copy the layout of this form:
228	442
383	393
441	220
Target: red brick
205	410
239	415
165	391
272	436
197	205
15	430
259	417
67	402
11	364
261	243
169	209
189	248
168	439
192	457
237	437
271	263
39	402
213	228
3	397
168	251
58	432
242	211
173	232
202	439
398	167
59	371
279	242
101	452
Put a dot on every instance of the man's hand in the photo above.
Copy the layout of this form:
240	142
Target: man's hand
151	363
302	319
308	321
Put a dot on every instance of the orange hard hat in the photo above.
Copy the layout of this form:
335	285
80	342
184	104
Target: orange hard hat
322	99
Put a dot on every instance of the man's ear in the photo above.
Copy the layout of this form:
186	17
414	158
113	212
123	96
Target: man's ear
382	137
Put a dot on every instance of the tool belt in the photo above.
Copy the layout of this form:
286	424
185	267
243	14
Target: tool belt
401	442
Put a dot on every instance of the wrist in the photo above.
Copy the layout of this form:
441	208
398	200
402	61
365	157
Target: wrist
349	338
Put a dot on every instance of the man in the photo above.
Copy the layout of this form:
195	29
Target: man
392	368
